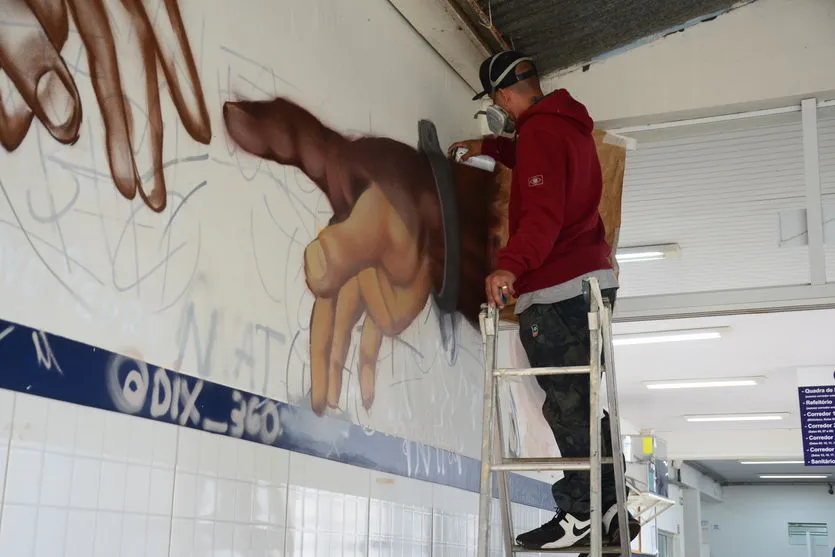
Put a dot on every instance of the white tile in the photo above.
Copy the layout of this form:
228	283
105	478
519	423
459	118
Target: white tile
278	505
112	486
134	535
401	490
4	451
166	439
30	419
243	540
185	495
17	530
137	488
141	439
158	537
51	532
327	475
204	535
260	541
57	479
89	433
23	476
206	497
7	404
261	504
225	505
275	541
228	456
7	408
224	538
182	538
243	502
279	465
209	451
108	534
85	483
456	501
188	450
162	492
81	534
61	427
117	436
246	461
263	463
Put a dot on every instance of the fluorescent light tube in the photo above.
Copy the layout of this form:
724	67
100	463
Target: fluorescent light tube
771	462
736	418
704	383
657	337
793	476
647	253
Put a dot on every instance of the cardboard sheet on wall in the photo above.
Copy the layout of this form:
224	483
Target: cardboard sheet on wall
611	150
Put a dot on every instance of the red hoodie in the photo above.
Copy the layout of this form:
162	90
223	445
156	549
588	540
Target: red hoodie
556	232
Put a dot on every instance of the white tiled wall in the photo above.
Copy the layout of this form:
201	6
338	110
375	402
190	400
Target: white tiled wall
80	482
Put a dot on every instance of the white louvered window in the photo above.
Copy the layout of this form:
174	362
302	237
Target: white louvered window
730	195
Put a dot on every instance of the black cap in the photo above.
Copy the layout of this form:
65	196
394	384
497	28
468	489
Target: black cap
498	71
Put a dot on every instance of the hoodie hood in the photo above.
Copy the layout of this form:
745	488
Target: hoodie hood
560	103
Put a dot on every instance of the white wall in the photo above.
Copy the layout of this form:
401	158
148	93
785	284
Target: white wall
754	520
765	54
82	482
671	521
213	287
220	292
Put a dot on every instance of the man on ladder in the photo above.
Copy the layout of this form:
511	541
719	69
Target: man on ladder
557	240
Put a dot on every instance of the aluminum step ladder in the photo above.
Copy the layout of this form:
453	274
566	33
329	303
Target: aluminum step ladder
493	439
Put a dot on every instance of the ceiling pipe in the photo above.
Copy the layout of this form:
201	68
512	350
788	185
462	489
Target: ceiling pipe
481	24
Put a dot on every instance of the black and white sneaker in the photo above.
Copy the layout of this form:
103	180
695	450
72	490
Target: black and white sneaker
611	526
564	530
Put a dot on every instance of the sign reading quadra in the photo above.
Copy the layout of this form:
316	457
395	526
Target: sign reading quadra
816	391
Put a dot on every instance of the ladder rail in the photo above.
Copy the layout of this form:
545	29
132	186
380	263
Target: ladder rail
493	457
504	493
489	329
595	471
614	426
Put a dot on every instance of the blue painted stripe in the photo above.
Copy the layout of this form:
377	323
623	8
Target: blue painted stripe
50	366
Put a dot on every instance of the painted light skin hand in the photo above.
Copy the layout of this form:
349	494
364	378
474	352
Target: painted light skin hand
32	35
382	252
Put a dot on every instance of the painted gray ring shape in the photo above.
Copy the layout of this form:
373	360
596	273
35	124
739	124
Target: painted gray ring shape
447	298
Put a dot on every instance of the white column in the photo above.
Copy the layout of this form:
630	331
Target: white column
692	524
814	210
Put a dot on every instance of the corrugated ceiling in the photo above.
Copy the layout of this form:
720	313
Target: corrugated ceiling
565	33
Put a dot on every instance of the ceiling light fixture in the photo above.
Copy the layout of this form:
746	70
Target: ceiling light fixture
704	383
773	417
657	337
793	476
647	253
771	462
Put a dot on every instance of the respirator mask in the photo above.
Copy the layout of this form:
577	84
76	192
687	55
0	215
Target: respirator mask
499	122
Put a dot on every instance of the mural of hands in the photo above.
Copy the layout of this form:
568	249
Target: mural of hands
382	252
34	32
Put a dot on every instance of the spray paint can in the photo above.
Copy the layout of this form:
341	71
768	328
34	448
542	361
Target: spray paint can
482	162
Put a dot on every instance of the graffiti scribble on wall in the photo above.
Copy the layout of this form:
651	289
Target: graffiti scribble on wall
33	35
383	250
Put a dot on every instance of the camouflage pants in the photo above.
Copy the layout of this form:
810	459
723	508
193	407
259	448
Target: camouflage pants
556	335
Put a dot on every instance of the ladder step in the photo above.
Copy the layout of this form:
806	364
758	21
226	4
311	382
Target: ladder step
575	370
607	550
544	464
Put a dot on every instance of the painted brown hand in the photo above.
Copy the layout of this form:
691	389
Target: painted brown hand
382	252
33	35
